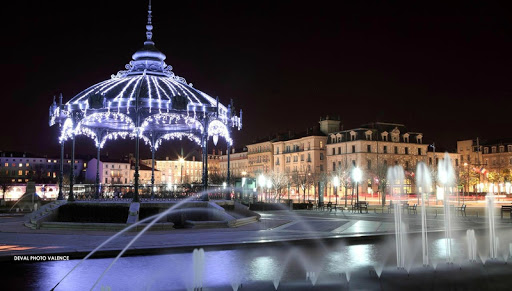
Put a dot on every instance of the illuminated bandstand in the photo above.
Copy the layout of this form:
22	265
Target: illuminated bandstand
146	101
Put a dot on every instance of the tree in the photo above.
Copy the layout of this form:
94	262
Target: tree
299	181
216	178
382	180
5	182
279	181
343	173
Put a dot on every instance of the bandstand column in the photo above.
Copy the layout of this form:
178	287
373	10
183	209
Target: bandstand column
97	195
228	176
136	175
71	197
204	147
153	166
61	174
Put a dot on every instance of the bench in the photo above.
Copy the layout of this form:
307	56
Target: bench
413	209
329	206
360	206
461	209
320	206
507	209
404	205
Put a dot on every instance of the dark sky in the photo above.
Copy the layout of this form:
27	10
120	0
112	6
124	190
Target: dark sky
441	69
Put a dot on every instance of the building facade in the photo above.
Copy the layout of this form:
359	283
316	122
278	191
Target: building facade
176	172
23	167
111	172
260	158
373	147
238	163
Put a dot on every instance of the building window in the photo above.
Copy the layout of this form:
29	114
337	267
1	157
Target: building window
302	158
509	148
353	148
333	166
20	173
430	161
20	165
385	149
333	151
396	150
321	168
457	162
277	161
106	166
369	148
385	164
407	164
7	164
354	163
486	150
419	151
321	144
309	157
369	164
339	150
321	156
493	150
26	165
277	150
406	150
437	161
502	150
106	180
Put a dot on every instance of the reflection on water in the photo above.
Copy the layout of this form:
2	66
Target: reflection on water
252	264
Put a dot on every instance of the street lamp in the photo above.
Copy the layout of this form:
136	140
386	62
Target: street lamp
467	185
336	183
269	185
357	175
182	161
261	182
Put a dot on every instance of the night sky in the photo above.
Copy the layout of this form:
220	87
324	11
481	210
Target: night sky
444	70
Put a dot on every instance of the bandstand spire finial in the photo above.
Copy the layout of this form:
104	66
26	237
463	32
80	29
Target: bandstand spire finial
149	26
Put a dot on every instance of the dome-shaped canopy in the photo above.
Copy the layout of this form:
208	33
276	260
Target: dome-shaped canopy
150	81
147	100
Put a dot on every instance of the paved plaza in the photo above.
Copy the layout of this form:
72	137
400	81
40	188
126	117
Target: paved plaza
274	227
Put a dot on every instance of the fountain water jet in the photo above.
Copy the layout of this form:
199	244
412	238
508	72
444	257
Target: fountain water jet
446	177
157	218
471	244
493	240
423	182
396	178
198	262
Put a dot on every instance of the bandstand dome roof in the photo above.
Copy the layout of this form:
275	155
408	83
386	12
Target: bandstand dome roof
146	100
149	77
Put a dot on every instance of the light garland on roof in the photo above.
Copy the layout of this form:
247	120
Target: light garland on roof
67	130
177	135
216	128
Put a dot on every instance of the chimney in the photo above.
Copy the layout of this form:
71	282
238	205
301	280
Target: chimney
233	150
166	158
194	158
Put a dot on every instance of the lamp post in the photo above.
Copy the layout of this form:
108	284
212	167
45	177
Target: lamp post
336	183
269	186
357	174
182	160
261	182
467	185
